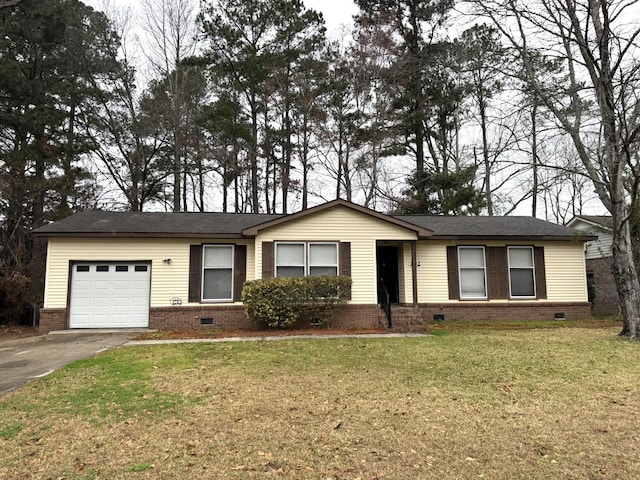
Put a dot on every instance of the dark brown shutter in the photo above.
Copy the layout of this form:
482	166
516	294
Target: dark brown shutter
267	260
195	272
497	272
541	278
345	261
452	268
239	271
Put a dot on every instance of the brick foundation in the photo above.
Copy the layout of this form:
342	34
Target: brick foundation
232	317
606	301
506	311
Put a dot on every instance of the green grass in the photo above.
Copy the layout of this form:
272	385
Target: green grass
11	430
505	403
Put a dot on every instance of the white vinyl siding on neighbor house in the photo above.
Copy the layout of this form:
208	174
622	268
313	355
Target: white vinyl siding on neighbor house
217	273
602	247
344	225
522	277
168	281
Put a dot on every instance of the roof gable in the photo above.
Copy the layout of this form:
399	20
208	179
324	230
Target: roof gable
421	231
600	222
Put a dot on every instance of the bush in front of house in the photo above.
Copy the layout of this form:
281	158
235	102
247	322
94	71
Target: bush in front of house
280	302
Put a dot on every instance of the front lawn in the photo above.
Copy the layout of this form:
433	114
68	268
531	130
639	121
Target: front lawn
548	403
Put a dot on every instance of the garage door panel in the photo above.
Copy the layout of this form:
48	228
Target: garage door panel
109	296
100	302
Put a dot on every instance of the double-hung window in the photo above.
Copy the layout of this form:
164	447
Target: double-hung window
522	272
217	273
473	283
300	259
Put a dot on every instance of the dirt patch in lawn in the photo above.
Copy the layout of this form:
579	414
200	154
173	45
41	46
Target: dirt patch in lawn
17	331
202	333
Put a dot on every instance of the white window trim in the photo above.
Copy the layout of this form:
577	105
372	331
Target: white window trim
533	271
307	253
233	256
484	270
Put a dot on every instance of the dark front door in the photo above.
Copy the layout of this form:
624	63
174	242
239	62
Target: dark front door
387	263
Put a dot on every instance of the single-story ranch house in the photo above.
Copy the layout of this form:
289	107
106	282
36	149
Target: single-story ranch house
186	270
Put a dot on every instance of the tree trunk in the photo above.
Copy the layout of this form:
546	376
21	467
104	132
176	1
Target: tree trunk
625	274
485	156
534	157
253	155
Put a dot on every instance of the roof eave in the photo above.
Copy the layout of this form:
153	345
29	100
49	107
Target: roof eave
136	235
577	238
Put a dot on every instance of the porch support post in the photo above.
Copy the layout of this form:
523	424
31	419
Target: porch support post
414	272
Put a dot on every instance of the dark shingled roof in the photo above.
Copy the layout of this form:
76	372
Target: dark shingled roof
154	224
489	227
603	220
231	225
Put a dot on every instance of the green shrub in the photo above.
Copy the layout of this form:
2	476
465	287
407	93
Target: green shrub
280	302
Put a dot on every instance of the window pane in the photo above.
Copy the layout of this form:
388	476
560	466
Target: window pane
290	254
319	271
217	284
122	268
218	257
522	282
323	254
290	272
520	257
471	257
472	283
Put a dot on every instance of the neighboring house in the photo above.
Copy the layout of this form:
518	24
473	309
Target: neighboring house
186	270
599	262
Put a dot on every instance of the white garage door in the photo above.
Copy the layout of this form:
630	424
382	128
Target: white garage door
109	295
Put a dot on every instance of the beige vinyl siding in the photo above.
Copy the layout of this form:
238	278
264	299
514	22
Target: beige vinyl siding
566	272
432	272
341	224
167	281
564	268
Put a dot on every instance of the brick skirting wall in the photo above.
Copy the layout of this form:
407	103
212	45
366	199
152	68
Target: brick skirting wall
232	317
222	317
506	311
52	319
607	301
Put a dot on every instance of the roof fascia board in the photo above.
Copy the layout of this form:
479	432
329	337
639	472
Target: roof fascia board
135	235
578	238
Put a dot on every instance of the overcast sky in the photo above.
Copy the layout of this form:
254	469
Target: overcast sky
335	12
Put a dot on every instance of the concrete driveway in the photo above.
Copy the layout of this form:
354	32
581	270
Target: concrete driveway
23	359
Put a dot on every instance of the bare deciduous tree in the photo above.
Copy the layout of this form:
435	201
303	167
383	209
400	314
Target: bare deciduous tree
594	100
